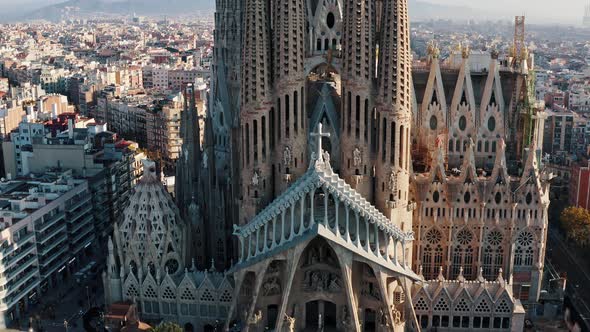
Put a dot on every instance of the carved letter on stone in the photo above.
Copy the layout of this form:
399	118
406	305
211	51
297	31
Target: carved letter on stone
357	158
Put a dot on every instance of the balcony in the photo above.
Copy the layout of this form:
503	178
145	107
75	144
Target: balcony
11	301
40	227
83	244
14	287
84	222
81	202
78	237
43	238
50	247
24	239
77	214
51	258
46	272
21	267
16	258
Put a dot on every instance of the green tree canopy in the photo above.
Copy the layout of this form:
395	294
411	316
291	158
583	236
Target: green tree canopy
167	327
576	223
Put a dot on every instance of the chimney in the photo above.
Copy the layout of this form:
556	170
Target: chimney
71	128
54	111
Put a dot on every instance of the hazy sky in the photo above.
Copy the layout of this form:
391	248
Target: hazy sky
538	11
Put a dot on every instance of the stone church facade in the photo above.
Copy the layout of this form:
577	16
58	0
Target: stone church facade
363	191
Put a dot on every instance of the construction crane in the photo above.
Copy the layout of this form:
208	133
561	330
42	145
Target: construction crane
519	39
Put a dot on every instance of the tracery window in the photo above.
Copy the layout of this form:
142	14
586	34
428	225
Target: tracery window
168	294
226	296
132	292
503	307
441	305
149	292
462	306
493	254
524	253
421	305
187	295
207	296
463	255
432	257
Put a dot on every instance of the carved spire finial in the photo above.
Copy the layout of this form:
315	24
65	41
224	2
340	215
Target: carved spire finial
480	277
461	277
440	277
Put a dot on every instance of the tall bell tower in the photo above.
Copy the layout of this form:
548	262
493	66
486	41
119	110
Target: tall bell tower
392	161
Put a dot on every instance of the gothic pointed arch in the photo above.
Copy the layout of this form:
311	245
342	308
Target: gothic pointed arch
493	253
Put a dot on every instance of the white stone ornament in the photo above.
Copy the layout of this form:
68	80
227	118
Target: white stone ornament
357	158
255	179
287	156
205	160
392	184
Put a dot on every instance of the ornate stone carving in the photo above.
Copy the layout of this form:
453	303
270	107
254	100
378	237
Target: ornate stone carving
257	318
319	254
255	179
357	157
369	289
205	160
290	323
392	183
287	156
271	287
397	315
322	281
383	317
345	316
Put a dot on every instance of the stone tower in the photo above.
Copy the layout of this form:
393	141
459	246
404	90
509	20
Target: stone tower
392	164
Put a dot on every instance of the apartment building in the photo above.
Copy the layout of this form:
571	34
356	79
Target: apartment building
46	227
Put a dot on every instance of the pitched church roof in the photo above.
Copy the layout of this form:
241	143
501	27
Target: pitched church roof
320	175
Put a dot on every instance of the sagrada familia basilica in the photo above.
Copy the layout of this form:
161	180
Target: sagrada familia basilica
343	185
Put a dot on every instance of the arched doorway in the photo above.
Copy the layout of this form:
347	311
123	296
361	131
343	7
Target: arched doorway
312	315
272	313
370	320
188	327
320	315
330	319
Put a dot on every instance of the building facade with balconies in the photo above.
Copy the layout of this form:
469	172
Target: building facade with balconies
46	228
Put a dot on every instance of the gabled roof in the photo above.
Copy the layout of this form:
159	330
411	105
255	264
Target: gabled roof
321	175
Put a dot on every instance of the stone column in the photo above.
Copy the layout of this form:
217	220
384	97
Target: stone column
293	256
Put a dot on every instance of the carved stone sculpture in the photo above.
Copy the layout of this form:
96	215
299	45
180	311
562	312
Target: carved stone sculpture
287	156
357	158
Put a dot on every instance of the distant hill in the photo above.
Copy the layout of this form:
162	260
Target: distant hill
419	9
139	7
423	10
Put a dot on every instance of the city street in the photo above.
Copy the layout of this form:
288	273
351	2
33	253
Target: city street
564	257
69	301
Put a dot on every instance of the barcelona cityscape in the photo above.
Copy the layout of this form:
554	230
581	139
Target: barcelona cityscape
294	165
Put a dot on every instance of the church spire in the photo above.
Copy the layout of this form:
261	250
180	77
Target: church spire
189	162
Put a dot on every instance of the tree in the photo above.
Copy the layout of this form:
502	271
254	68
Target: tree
167	327
576	223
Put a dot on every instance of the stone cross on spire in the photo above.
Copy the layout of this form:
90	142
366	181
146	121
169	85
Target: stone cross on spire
320	135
